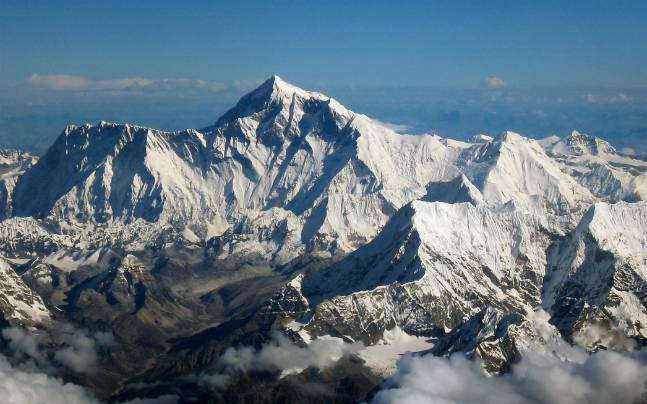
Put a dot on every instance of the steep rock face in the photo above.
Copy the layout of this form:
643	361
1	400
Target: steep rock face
25	237
489	336
18	303
598	274
578	144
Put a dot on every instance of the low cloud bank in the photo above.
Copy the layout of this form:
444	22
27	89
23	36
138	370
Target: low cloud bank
28	373
76	349
279	355
80	352
602	377
18	386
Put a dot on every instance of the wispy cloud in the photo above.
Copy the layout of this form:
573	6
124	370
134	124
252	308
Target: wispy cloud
619	98
629	151
78	84
29	385
65	82
397	127
494	82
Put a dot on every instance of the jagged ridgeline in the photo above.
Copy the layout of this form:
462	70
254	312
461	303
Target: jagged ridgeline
293	219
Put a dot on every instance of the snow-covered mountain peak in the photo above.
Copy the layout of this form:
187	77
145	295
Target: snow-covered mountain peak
596	165
432	266
280	87
619	228
104	172
276	88
279	147
511	137
516	168
280	106
579	144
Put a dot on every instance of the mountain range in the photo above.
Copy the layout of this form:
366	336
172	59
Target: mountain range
295	219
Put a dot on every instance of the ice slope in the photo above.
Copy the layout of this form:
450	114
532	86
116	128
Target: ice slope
457	190
117	172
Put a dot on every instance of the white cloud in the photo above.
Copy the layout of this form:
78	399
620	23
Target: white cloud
80	351
135	85
65	82
75	349
27	375
619	98
494	82
603	377
629	151
279	355
18	386
553	372
397	127
23	344
592	335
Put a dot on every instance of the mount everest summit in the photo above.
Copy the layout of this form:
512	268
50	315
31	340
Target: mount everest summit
295	219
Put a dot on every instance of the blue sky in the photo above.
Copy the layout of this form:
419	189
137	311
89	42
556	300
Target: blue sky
212	51
455	44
